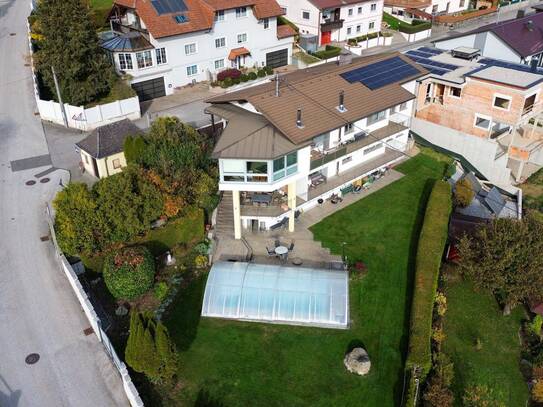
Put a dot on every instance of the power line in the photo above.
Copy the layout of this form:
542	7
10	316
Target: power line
332	111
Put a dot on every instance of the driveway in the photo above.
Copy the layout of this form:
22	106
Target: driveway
38	311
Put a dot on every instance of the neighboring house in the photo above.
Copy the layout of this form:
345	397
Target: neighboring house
481	109
164	44
408	10
334	20
518	40
102	151
290	144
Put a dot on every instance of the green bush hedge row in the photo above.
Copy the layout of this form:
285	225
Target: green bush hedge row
370	36
429	253
330	51
415	27
251	76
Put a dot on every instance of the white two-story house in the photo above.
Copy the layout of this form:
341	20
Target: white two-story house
334	20
292	143
164	44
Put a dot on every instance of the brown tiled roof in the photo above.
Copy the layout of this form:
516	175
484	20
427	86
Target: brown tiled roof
409	3
237	52
200	13
316	91
322	4
284	31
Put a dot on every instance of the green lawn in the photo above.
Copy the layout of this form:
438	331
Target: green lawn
242	364
471	315
100	10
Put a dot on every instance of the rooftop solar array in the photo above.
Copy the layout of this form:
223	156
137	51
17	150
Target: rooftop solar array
169	6
382	73
510	65
180	19
422	57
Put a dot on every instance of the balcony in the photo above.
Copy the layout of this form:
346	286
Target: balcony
270	204
331	25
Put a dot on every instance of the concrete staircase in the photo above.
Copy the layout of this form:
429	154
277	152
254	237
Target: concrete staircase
225	216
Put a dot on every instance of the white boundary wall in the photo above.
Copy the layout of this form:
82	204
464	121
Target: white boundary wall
369	43
129	388
80	117
417	36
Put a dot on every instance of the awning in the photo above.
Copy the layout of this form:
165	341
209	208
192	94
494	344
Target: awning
419	13
237	52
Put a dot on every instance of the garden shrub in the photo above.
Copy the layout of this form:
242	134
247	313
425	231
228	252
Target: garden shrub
480	396
244	77
200	261
236	81
129	272
268	70
226	83
330	51
261	73
537	391
429	253
228	73
463	192
252	76
161	290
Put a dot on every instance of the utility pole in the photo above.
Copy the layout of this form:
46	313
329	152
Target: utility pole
62	109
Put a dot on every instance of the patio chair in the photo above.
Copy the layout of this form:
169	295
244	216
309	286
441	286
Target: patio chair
277	243
291	247
271	252
284	222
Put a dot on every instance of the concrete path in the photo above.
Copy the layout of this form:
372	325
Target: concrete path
38	311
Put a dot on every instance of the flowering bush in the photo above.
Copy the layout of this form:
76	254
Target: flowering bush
228	73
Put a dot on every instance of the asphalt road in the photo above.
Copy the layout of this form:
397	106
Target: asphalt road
38	311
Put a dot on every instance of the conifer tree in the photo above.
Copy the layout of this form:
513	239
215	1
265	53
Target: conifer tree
131	353
70	45
166	351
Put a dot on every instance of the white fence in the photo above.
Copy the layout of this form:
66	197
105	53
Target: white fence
417	36
80	117
94	320
369	43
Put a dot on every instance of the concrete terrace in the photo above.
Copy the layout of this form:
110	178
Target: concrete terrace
253	244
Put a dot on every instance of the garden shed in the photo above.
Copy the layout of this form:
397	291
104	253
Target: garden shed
277	294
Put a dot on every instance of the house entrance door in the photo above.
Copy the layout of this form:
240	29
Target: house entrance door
326	37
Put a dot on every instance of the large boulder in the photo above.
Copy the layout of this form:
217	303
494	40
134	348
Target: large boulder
357	361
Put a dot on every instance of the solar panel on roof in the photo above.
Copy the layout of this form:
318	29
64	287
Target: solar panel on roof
417	53
169	6
510	65
495	200
382	73
433	51
180	19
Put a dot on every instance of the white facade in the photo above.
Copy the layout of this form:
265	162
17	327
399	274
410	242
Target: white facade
435	7
354	19
297	175
198	56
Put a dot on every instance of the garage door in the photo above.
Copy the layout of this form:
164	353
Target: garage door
151	89
277	58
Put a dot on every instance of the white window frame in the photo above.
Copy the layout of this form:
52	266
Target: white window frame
451	92
190	44
358	28
126	61
308	15
350	12
220	67
241	12
266	23
116	163
359	10
190	67
160	54
218	39
373	7
220	15
371	25
241	42
506	97
147	62
484	117
349	30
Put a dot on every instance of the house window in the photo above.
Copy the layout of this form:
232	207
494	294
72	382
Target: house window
266	23
125	62
358	28
116	163
192	70
350	12
86	158
219	64
482	122
462	3
190	49
241	12
502	102
372	148
455	92
347	160
349	30
403	106
373	7
257	171
359	10
434	8
161	56
371	25
348	128
242	38
219	15
144	59
305	15
376	117
284	10
220	42
286	165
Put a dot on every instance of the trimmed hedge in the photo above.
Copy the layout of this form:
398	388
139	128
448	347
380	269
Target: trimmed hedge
330	51
402	26
429	253
129	272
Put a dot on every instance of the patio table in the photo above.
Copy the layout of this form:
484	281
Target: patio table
281	250
262	198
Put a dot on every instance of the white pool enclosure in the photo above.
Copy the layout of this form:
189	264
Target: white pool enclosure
279	294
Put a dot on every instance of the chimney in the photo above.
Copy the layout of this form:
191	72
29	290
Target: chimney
521	14
533	64
341	105
299	122
529	25
276	85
